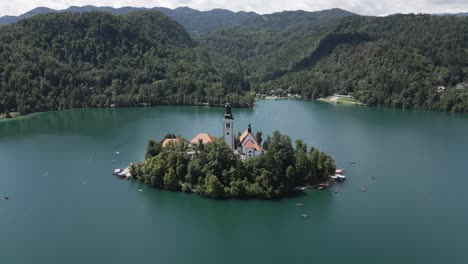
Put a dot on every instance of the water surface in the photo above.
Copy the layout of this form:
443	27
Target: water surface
66	207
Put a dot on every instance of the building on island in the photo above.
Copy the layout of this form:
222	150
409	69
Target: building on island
171	142
248	146
228	127
204	137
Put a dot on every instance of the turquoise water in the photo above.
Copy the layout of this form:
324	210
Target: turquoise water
66	207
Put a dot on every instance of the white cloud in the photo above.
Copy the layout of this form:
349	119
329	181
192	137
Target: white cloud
365	7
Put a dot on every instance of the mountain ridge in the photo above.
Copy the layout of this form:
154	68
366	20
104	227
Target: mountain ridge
193	20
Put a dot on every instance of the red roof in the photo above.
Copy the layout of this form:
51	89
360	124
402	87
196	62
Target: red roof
244	135
251	145
206	138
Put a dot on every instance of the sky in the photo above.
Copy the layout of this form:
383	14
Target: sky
363	7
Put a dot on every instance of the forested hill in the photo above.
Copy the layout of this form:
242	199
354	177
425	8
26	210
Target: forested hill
265	45
194	21
96	59
395	61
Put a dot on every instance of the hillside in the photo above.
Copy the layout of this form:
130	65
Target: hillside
194	21
95	59
62	60
269	44
395	61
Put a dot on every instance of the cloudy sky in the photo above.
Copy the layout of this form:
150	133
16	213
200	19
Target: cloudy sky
364	7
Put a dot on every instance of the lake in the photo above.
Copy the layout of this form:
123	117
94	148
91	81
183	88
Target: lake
65	206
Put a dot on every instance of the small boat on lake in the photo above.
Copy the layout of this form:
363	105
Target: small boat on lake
339	171
122	173
299	204
363	189
305	215
339	177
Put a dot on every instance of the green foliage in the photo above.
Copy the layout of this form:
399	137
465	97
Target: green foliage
95	59
217	172
396	61
153	149
192	20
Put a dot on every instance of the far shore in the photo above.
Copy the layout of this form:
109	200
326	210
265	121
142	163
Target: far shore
341	99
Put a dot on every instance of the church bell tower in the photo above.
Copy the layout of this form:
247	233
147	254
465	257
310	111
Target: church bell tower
228	126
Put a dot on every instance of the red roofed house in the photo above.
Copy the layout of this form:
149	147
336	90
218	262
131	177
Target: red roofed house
248	146
204	137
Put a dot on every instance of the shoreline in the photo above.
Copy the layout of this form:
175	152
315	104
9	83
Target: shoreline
341	99
323	100
18	116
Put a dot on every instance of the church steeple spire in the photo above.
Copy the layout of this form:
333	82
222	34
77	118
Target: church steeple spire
228	111
228	126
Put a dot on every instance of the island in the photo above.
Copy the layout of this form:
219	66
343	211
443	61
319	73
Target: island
233	166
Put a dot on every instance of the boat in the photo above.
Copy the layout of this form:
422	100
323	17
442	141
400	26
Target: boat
121	175
339	171
117	171
339	177
140	190
305	215
352	162
299	204
363	189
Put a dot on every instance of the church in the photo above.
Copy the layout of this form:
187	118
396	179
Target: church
247	146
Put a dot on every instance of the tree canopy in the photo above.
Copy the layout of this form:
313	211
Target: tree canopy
95	59
216	171
396	61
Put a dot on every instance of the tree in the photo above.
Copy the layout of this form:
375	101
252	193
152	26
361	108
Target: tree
216	172
213	187
153	149
258	137
170	180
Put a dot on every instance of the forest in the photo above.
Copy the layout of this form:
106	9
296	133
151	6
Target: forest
95	59
215	171
394	61
144	58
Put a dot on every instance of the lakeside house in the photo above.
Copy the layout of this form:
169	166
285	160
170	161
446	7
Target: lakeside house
440	89
461	86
